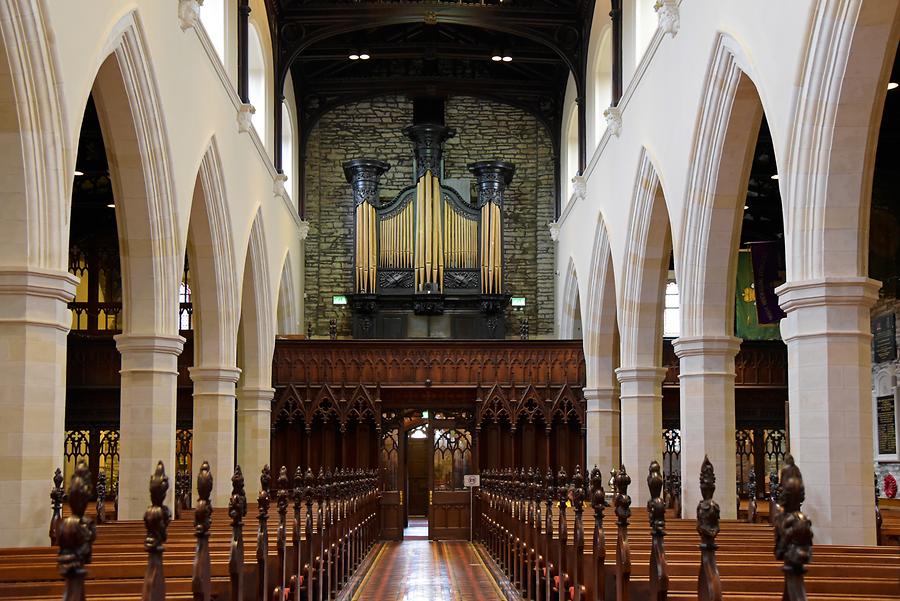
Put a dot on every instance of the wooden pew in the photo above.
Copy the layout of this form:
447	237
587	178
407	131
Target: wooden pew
743	567
202	551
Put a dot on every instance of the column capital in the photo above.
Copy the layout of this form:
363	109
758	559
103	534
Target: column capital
726	346
641	374
828	291
164	344
601	399
255	399
35	281
218	373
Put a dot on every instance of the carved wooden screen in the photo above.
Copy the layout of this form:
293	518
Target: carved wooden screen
776	448
671	451
390	459
109	459
452	458
77	449
184	449
743	447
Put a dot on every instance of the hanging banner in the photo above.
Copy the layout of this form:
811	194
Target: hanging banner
746	323
768	274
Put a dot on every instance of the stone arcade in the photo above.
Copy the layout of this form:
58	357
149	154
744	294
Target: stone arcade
367	299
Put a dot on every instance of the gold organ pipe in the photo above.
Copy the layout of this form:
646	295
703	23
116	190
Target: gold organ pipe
373	248
357	254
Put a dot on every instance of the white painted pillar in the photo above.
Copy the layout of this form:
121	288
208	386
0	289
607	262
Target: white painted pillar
34	322
641	394
707	418
213	430
828	335
147	416
603	428
254	429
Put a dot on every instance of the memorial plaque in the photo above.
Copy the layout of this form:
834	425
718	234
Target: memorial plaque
887	425
884	338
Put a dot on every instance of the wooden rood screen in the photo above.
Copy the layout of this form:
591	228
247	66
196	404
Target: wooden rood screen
468	405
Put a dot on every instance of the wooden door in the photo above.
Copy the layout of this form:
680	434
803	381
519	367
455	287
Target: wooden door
450	458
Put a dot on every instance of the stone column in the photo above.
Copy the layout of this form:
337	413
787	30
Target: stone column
34	322
707	417
828	335
147	416
603	437
254	428
213	434
641	394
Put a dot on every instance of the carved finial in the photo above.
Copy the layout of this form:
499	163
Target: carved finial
200	584
707	479
157	516
793	531
578	489
76	535
156	519
203	514
57	493
237	504
101	497
623	500
707	509
237	509
656	508
562	487
283	489
265	480
598	495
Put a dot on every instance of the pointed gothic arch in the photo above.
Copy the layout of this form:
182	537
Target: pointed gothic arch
288	319
570	306
721	159
210	250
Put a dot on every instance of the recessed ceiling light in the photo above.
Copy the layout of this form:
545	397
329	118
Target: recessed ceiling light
893	85
746	207
354	56
496	57
111	205
775	176
507	58
78	173
364	55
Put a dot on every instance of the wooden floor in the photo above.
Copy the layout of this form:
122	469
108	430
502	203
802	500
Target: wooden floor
420	570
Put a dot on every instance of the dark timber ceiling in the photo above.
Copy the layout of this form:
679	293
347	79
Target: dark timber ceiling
431	48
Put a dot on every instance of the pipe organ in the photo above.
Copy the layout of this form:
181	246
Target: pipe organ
428	249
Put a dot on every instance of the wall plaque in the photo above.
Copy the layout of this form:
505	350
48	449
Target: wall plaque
887	425
884	338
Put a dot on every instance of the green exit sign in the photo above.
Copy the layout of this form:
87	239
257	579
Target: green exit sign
518	301
338	299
